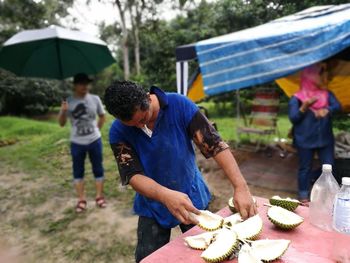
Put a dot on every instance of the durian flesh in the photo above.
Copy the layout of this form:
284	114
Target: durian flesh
269	250
209	221
232	220
222	247
249	229
283	218
247	255
287	203
201	241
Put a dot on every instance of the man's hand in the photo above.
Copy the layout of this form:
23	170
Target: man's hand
306	104
62	116
244	203
180	206
64	106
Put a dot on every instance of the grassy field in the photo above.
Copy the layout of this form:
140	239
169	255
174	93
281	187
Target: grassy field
37	199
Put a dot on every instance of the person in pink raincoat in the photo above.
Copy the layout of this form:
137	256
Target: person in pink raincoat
310	111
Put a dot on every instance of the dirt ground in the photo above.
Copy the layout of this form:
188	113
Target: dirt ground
267	174
41	229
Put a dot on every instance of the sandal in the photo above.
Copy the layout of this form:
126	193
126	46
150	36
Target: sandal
81	206
101	202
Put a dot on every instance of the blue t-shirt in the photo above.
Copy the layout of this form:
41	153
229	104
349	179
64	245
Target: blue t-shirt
308	131
167	156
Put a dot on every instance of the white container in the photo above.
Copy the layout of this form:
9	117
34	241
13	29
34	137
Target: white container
322	199
341	216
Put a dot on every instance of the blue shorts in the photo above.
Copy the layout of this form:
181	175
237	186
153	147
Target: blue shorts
79	152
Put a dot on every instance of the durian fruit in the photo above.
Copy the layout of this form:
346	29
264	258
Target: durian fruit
209	221
283	218
249	229
232	207
232	220
287	203
248	255
224	244
269	250
201	241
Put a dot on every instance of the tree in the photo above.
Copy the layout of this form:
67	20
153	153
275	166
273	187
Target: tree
135	9
205	20
17	15
122	8
23	95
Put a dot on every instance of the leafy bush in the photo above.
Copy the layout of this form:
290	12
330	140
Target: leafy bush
24	96
341	121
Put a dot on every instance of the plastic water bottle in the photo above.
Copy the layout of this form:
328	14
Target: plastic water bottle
322	199
341	216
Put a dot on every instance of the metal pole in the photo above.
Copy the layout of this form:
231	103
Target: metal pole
238	118
237	106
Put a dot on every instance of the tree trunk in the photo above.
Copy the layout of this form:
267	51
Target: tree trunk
137	51
135	17
125	44
126	64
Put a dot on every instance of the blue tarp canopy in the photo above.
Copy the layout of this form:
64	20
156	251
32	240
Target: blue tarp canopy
267	52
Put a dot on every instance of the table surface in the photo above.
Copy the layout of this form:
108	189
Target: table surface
309	244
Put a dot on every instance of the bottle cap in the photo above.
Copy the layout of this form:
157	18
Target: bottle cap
345	181
327	167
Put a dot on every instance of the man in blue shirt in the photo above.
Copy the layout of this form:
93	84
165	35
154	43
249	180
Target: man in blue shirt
152	142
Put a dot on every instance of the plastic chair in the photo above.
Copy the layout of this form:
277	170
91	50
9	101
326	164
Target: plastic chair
262	120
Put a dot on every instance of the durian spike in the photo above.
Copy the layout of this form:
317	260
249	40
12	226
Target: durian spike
300	203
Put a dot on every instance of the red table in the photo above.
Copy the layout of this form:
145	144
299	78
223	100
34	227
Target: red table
309	244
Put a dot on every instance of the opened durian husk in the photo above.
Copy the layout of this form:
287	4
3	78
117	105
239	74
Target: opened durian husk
225	242
270	250
283	218
249	229
286	203
208	220
201	241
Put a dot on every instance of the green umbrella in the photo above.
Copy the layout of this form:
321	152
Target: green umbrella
54	52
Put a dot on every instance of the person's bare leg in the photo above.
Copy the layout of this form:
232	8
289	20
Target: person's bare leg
99	188
100	201
79	188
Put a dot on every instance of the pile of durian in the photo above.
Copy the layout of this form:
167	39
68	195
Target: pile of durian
231	237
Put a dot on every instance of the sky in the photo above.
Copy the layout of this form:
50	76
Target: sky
87	17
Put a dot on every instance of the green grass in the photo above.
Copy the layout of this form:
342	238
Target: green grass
227	122
41	154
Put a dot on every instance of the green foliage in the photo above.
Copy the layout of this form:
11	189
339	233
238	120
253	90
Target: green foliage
28	96
17	15
104	78
20	95
341	122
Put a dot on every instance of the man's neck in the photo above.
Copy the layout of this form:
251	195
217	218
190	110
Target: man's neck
80	95
155	107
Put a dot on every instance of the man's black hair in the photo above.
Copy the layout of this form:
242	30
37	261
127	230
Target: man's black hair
124	98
